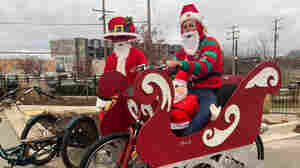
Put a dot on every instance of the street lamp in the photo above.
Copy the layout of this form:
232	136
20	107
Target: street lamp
234	37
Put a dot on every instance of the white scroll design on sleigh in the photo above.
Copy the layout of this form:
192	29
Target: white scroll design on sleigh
162	83
265	78
133	108
147	109
214	137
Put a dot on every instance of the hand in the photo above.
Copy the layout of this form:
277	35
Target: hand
173	63
101	104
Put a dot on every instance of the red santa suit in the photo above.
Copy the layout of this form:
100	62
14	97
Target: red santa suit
185	106
125	63
124	58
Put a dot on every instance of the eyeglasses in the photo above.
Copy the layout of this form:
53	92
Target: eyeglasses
189	25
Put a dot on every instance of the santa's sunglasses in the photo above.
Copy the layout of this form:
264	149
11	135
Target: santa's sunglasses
189	25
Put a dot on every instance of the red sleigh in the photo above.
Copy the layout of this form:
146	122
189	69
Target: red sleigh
228	140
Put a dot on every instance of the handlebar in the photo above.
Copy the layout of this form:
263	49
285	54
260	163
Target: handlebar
13	93
40	92
143	67
9	94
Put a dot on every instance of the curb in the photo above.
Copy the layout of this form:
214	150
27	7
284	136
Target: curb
280	131
278	137
284	124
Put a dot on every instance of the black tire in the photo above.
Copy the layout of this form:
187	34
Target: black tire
100	144
47	120
80	133
260	148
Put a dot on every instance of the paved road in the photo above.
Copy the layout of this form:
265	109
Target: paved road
283	153
278	154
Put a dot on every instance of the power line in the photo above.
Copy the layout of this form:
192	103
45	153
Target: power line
23	52
57	24
48	24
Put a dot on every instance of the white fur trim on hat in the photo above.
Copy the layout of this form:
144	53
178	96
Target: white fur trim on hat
179	82
107	35
190	15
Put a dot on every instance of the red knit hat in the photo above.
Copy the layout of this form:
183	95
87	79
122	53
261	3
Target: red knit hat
120	27
189	11
181	79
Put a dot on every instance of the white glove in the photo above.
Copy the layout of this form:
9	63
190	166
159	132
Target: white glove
101	104
215	111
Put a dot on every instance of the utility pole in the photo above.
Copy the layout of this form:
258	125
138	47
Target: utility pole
104	28
276	28
236	56
148	38
149	18
104	24
235	36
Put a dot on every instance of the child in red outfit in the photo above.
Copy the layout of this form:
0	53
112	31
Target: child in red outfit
185	105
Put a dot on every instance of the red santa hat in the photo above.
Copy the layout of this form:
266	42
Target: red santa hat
181	79
120	27
189	11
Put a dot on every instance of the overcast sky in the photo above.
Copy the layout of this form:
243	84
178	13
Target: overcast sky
253	17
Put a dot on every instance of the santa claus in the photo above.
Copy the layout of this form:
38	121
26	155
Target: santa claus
124	57
201	58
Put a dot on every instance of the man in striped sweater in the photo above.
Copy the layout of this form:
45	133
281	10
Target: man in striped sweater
201	57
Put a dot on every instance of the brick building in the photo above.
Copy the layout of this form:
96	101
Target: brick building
76	55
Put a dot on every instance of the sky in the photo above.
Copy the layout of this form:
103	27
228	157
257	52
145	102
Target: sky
255	18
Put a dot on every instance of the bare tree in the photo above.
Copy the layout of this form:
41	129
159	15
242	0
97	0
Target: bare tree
260	46
264	46
33	66
152	48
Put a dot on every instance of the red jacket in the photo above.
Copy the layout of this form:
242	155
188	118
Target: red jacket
183	112
135	58
208	58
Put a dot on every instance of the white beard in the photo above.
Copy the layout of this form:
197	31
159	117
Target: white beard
122	50
190	42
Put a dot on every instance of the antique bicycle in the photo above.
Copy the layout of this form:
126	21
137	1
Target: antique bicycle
44	136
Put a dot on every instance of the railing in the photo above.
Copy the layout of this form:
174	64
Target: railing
287	101
61	86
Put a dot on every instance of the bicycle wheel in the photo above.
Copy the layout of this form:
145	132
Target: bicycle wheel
105	152
37	127
80	133
260	148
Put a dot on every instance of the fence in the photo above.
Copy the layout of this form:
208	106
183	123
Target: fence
287	101
59	85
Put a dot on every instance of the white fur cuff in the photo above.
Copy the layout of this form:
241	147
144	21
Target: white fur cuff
190	15
178	82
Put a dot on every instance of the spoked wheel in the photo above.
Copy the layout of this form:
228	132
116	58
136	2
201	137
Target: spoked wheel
105	152
39	127
80	133
248	156
245	157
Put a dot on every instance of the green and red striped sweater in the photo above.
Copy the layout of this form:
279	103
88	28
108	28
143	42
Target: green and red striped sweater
208	59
